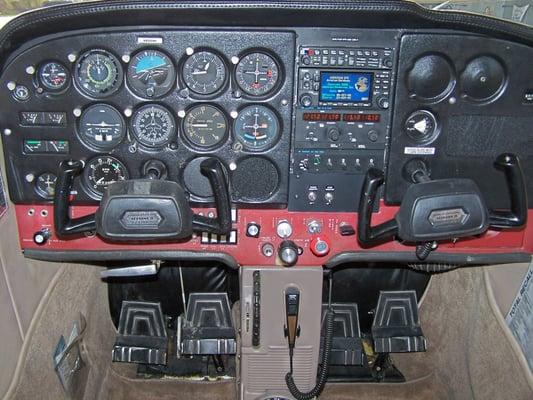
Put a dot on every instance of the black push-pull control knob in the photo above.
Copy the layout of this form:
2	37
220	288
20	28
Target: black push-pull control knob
334	134
154	169
41	237
288	253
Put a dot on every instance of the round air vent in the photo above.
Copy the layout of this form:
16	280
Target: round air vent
255	179
431	79
483	79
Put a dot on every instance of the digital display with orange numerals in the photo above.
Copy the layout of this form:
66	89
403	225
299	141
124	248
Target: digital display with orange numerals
361	117
322	117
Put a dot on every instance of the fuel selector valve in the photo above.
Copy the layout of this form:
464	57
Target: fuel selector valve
442	209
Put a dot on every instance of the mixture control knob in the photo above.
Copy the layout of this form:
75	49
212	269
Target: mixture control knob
288	253
334	134
319	246
306	100
41	237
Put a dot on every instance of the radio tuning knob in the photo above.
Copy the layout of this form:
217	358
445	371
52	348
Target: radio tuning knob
306	100
383	102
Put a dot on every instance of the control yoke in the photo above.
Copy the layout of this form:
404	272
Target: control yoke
443	209
142	209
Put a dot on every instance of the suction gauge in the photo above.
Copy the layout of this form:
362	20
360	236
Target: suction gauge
53	76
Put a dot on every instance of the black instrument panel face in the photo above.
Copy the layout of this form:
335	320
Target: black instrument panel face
120	100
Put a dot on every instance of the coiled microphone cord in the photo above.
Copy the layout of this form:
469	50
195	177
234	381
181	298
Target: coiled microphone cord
323	374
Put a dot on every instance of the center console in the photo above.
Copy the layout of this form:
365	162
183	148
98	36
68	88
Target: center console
343	113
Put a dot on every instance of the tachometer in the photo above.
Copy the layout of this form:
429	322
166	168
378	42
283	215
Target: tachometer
102	127
205	126
257	128
53	75
98	73
100	172
204	72
257	74
151	74
153	125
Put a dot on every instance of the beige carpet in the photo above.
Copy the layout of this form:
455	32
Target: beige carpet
468	356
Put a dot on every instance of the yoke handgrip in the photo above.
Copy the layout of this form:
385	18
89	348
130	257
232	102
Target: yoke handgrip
63	224
366	234
213	170
517	215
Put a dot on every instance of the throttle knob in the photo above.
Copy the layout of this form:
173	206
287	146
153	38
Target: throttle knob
288	253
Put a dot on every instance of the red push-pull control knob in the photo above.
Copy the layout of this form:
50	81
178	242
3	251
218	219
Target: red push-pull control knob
320	246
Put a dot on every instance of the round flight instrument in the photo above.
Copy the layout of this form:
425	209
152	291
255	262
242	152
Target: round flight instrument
483	79
98	73
421	126
151	74
257	74
102	127
53	75
100	172
45	185
153	125
257	128
204	73
205	126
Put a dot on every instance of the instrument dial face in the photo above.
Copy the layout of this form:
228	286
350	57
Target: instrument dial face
100	172
53	76
151	74
153	125
98	73
101	127
204	73
257	74
45	185
257	128
205	126
421	126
